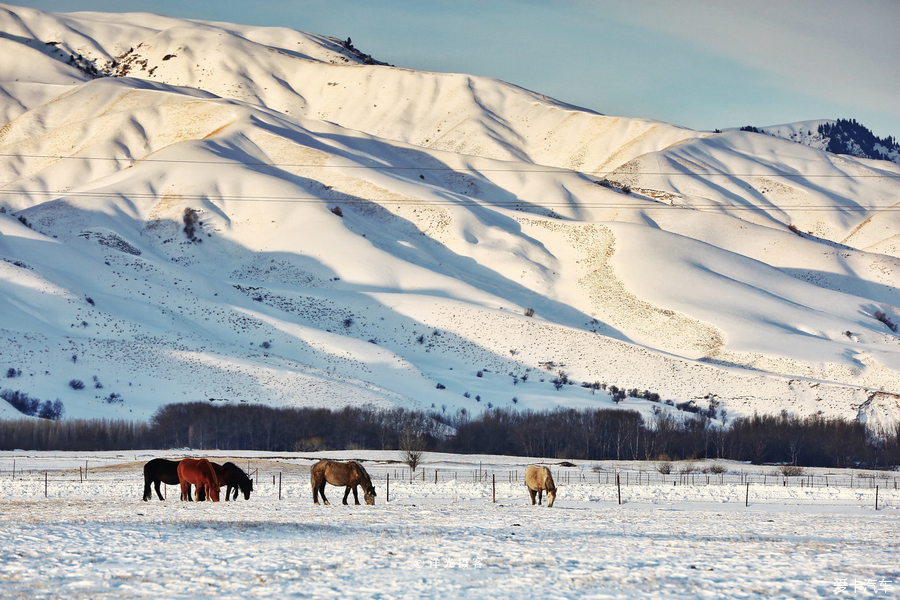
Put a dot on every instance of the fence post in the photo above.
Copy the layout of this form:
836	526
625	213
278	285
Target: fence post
387	494
45	484
747	497
494	477
435	476
876	497
279	485
80	477
619	486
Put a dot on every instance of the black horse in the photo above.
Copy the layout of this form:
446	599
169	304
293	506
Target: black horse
160	470
234	478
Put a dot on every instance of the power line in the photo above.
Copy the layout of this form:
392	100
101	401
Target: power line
379	167
638	204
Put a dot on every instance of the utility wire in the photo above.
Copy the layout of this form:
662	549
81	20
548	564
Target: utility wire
637	204
463	170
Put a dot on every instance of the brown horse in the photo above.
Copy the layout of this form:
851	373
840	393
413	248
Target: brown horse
198	472
233	478
350	474
538	479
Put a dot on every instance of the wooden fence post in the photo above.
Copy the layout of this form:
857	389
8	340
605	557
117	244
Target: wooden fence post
876	497
494	477
45	484
387	494
619	486
747	497
279	485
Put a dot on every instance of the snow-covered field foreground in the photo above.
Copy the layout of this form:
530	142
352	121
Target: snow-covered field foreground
68	533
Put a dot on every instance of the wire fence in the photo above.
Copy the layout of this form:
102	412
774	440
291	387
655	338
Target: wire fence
290	480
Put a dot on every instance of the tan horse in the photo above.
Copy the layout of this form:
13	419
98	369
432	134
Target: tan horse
349	474
539	479
199	472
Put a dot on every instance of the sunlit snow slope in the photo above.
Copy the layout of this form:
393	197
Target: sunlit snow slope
206	211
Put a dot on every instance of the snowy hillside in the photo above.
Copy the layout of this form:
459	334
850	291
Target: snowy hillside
838	137
206	211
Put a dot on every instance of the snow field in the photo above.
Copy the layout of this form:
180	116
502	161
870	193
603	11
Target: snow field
96	539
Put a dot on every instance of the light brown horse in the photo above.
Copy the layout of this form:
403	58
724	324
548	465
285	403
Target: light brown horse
350	474
199	472
539	479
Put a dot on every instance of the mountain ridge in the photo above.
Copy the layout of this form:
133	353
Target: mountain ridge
263	217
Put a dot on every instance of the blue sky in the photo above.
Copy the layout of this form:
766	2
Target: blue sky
704	65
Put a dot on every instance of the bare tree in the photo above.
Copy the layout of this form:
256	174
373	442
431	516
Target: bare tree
412	447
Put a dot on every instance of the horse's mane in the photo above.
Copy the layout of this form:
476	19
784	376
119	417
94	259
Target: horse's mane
236	470
363	473
243	481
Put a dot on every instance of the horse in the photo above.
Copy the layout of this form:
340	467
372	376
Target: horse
160	470
350	474
198	472
231	476
538	479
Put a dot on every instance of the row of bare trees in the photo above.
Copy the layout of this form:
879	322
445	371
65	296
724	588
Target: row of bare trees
591	434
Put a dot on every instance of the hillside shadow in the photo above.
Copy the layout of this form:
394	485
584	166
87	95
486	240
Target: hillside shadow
846	284
325	302
406	241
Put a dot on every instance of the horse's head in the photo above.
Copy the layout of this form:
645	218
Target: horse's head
213	492
370	494
247	488
551	496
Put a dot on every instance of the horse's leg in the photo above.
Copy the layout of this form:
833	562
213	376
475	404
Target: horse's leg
147	492
540	496
185	491
533	493
355	497
158	492
322	491
347	494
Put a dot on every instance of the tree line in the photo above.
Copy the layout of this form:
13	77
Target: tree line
589	434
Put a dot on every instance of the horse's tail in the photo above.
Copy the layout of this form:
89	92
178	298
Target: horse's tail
312	478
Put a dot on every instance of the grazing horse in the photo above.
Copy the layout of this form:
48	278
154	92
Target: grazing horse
538	479
198	472
350	474
231	476
160	470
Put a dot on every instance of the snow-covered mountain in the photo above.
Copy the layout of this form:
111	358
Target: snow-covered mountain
208	211
841	136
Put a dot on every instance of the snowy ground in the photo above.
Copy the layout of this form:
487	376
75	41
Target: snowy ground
91	536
